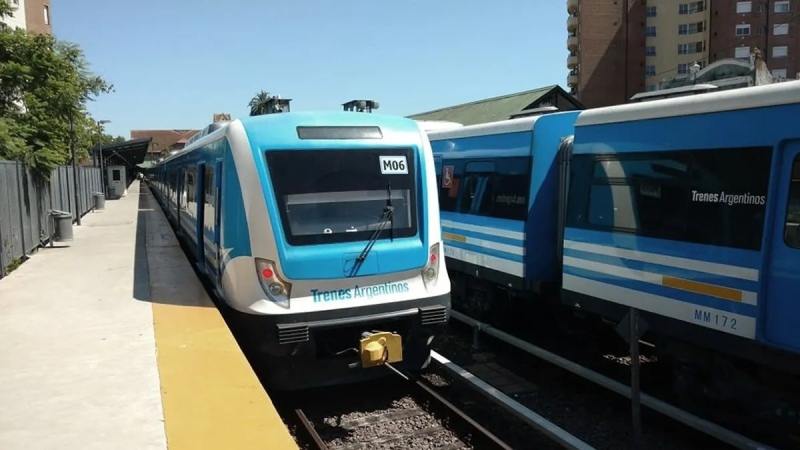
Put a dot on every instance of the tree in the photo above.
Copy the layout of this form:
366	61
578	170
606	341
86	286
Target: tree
45	85
259	104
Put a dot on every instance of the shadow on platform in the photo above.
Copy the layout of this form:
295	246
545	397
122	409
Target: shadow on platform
162	271
141	270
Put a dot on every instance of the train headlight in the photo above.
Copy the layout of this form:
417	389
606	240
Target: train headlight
277	289
430	273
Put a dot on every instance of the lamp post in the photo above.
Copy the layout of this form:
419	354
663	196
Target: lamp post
102	162
75	183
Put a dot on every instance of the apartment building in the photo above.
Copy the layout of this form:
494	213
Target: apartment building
17	18
738	27
31	15
606	44
622	47
676	36
37	16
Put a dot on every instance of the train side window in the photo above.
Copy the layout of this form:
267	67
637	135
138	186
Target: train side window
727	197
486	203
646	196
208	185
189	186
470	189
612	206
448	196
705	196
791	234
505	197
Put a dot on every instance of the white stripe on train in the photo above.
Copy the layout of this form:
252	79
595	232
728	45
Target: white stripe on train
490	262
715	319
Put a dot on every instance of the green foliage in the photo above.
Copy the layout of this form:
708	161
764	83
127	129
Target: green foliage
45	85
5	9
259	104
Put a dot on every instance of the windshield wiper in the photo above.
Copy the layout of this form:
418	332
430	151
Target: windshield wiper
386	217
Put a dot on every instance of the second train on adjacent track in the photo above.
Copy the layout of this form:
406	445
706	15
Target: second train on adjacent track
687	209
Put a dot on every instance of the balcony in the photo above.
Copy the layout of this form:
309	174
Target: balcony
572	24
572	43
572	6
572	80
572	61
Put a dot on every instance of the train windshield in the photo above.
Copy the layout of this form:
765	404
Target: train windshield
328	196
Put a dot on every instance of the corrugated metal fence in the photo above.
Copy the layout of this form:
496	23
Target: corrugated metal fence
25	204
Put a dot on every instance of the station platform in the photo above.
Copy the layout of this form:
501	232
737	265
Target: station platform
111	342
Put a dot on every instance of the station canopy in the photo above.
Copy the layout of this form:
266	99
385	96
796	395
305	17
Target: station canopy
130	153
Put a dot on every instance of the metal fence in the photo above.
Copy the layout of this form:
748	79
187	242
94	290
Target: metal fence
25	204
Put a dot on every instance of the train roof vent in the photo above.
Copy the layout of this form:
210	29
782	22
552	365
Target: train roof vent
534	112
361	105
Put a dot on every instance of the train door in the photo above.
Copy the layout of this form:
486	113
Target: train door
782	279
218	221
200	205
209	219
564	154
178	198
117	185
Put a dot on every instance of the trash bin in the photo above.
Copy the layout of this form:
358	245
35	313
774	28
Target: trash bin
99	200
62	226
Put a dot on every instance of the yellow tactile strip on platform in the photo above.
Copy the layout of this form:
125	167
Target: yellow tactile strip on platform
210	395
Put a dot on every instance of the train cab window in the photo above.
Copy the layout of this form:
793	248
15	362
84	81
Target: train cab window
792	229
335	196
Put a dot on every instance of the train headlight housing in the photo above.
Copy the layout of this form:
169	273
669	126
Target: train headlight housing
430	273
278	290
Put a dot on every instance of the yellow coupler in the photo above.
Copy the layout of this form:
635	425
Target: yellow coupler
380	348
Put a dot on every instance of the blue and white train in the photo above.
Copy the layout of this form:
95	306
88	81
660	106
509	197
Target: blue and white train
685	208
321	232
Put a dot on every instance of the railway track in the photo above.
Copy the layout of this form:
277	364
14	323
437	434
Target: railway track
413	415
713	431
409	413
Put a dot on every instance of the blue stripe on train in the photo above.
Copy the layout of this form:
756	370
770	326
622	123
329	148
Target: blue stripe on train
706	253
483	221
677	272
683	296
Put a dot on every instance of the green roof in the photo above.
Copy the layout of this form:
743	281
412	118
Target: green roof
490	109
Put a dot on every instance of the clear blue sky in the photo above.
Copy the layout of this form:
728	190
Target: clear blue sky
176	62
